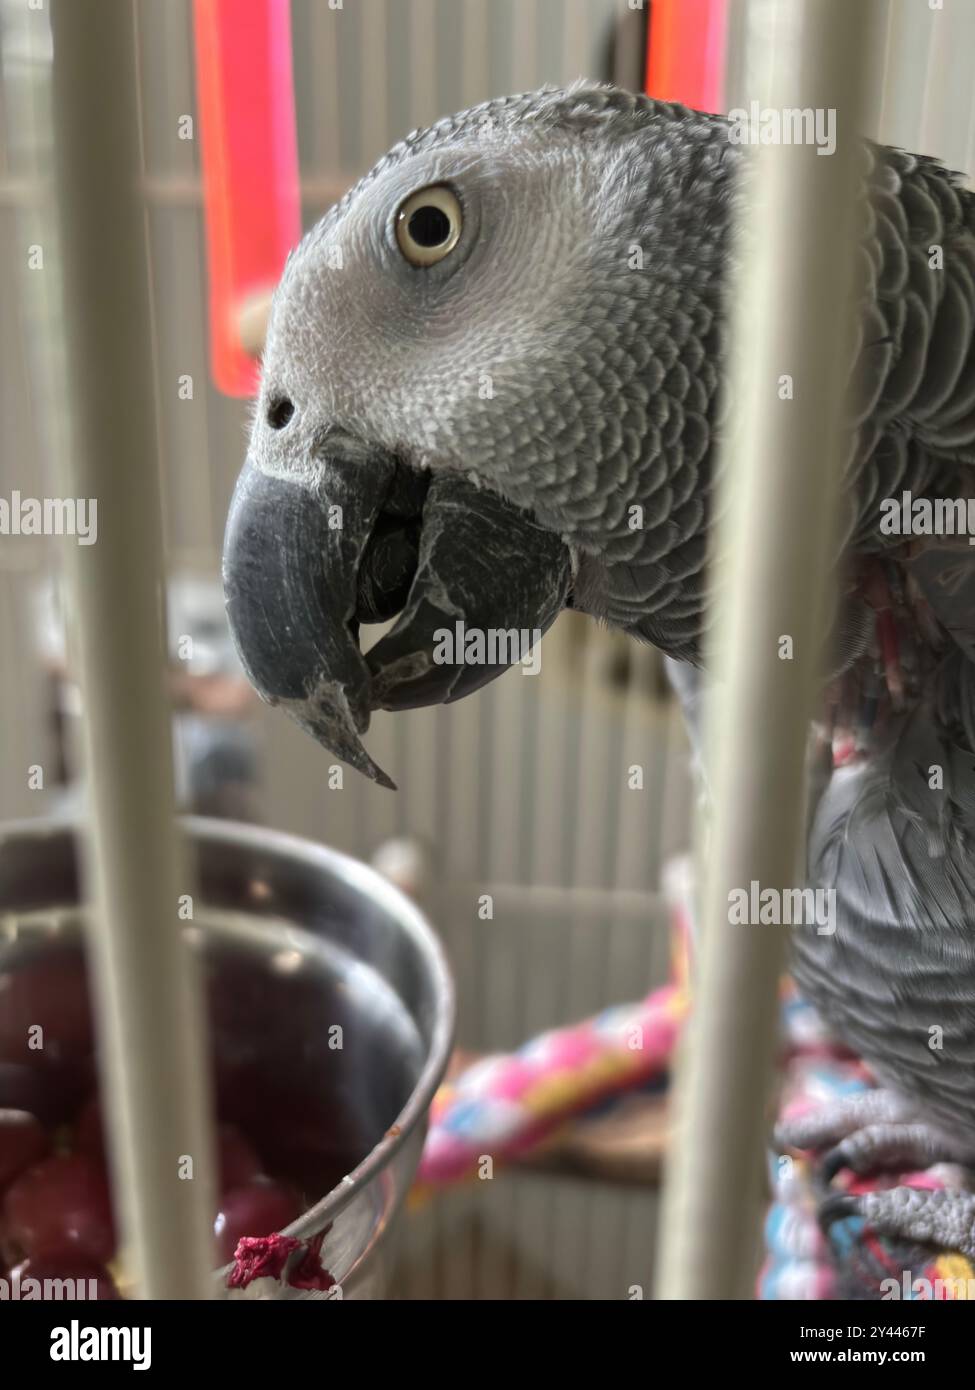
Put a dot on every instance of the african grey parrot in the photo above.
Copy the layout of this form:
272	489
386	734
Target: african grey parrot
504	347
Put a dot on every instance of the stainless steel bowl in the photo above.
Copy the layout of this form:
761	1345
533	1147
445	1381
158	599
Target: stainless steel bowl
296	938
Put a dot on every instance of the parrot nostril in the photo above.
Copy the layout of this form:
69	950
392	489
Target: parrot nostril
279	412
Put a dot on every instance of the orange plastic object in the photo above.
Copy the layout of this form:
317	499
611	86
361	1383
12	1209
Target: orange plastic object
251	196
686	45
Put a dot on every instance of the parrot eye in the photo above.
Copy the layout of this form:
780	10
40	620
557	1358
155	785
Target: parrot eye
429	224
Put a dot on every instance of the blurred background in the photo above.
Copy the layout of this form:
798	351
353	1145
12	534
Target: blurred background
524	793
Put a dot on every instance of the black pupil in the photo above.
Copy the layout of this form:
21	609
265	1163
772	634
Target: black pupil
429	226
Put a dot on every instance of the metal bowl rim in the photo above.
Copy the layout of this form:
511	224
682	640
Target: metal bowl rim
371	884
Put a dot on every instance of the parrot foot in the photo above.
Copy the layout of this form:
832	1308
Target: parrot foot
887	1146
944	1218
841	1119
869	1131
880	1130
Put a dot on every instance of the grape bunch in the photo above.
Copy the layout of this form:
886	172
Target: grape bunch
57	1217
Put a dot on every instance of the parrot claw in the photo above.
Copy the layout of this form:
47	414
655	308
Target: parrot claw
942	1217
838	1206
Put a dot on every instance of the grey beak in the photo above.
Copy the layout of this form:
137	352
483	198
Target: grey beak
306	563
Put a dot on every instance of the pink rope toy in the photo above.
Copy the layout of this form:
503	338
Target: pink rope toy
503	1105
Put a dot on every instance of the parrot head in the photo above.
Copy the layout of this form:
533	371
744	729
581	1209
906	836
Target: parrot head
487	392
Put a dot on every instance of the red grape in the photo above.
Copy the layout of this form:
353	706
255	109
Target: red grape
239	1163
62	1202
50	1090
65	1264
89	1135
256	1209
23	1141
50	991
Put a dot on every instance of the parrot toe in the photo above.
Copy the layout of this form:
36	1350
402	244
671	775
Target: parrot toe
943	1217
835	1121
888	1146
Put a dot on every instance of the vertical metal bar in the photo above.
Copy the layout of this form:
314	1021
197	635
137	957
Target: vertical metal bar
151	1024
373	114
423	62
794	317
577	57
153	324
323	94
475	52
523	37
